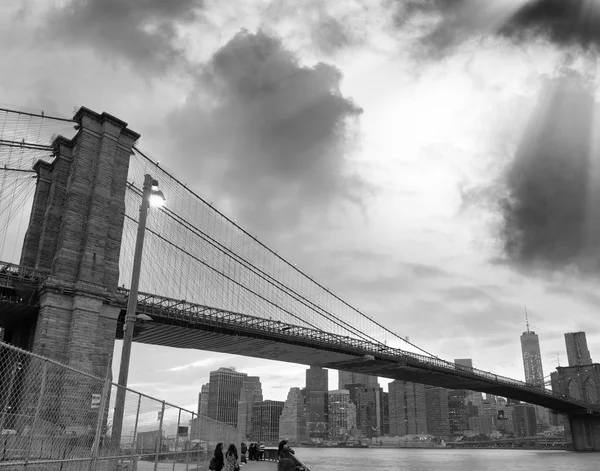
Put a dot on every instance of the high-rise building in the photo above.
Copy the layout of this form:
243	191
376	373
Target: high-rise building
251	392
407	408
532	358
458	412
385	413
437	412
224	391
317	380
292	424
484	425
265	421
347	377
203	400
524	420
577	349
341	416
475	398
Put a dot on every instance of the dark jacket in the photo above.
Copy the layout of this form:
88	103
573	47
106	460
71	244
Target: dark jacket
219	460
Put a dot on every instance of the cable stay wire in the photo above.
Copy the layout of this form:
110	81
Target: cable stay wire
273	253
260	273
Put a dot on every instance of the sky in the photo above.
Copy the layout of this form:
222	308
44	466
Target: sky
433	162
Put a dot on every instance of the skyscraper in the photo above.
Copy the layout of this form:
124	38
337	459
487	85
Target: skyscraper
292	423
577	349
317	381
436	405
532	358
348	377
224	391
407	408
342	415
265	420
473	397
203	400
524	420
251	393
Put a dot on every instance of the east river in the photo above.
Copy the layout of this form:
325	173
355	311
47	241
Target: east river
402	459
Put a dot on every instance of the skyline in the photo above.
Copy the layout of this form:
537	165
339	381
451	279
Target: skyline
411	251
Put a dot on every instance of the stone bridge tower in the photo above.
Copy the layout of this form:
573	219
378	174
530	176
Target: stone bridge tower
74	234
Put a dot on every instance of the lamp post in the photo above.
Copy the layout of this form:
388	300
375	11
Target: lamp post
151	195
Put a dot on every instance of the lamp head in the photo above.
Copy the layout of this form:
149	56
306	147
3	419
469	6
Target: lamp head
157	199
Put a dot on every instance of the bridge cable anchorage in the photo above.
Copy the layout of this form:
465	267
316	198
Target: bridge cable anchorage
354	331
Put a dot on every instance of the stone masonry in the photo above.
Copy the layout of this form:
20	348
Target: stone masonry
74	234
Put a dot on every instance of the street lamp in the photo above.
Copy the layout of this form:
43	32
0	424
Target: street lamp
151	196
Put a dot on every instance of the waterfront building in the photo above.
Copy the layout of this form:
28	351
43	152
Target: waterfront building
225	387
437	411
341	415
292	423
484	425
577	349
265	421
408	414
458	411
250	394
317	381
524	420
532	358
385	413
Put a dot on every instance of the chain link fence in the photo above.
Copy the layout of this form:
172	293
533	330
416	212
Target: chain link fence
54	417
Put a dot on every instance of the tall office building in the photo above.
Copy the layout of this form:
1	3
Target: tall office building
473	397
577	349
265	421
224	391
532	358
458	410
292	423
407	408
347	377
524	420
203	400
436	405
251	393
317	381
341	416
385	413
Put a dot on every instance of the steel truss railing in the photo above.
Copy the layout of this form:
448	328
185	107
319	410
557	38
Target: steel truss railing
198	314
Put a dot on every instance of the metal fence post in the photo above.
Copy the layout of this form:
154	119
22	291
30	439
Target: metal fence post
159	441
37	410
103	399
176	438
134	438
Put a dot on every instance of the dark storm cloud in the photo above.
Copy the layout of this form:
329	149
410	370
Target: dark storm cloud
141	31
273	133
564	22
549	213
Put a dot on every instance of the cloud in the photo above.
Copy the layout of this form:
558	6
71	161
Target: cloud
548	217
272	133
144	32
196	364
448	23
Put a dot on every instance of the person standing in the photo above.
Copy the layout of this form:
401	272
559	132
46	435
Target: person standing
217	462
261	452
231	459
243	450
284	452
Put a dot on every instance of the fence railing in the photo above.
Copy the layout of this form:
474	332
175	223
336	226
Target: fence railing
55	417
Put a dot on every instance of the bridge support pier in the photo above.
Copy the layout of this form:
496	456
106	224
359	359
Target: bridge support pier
583	433
74	234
